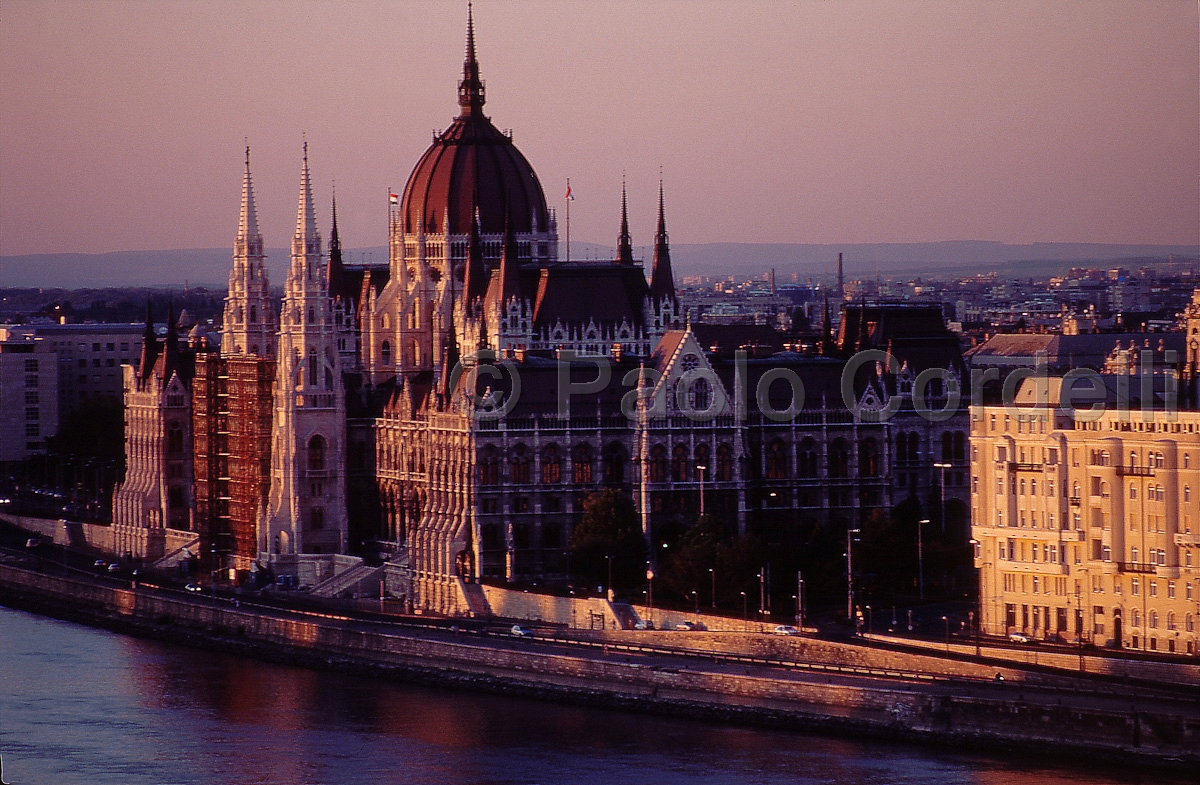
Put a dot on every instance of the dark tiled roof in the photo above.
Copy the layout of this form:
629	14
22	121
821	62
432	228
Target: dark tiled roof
576	292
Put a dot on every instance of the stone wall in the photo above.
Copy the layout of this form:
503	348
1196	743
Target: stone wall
902	709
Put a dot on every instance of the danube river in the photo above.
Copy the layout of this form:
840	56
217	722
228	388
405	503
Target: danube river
80	705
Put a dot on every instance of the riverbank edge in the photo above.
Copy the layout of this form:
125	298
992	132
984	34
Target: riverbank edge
808	717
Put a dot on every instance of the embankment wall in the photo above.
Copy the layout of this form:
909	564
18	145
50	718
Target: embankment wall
886	708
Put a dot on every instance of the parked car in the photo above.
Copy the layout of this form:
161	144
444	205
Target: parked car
32	542
193	587
786	629
643	624
99	564
114	568
1020	637
521	631
687	626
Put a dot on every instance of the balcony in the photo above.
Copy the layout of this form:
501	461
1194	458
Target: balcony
1136	567
1025	467
1075	501
1187	539
1135	471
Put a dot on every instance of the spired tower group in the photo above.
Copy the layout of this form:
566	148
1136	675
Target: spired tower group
353	436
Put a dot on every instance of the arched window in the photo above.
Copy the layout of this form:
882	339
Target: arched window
839	459
868	458
679	464
312	366
960	446
947	447
316	454
724	463
699	395
807	459
519	465
491	537
581	464
386	351
175	438
1152	620
657	468
1171	620
253	314
777	462
1136	620
703	456
489	466
551	465
316	518
614	463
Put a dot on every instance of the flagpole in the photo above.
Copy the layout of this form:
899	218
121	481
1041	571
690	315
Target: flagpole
568	220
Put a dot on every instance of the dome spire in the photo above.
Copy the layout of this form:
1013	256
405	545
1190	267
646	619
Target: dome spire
624	242
662	280
306	241
471	94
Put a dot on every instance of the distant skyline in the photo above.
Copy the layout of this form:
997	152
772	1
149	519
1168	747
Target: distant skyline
812	122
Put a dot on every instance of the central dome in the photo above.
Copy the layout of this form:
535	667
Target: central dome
473	166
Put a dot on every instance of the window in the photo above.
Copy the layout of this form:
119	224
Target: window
316	454
489	467
725	463
175	438
839	459
679	464
31	366
614	463
657	468
316	518
581	464
551	465
519	465
776	460
386	352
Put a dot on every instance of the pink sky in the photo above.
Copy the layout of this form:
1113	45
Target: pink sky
122	123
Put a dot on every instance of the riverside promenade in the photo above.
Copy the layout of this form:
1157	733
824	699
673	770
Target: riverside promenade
744	677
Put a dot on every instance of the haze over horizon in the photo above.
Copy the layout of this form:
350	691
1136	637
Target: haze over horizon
814	123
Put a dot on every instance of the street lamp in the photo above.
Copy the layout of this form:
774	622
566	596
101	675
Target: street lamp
799	601
745	613
946	621
870	622
921	559
609	592
713	577
701	469
942	489
696	599
850	573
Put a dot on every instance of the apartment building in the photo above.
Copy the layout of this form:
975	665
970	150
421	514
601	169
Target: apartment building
1086	523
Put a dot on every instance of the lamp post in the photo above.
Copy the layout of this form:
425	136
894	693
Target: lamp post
942	489
650	592
946	621
701	469
696	599
850	573
712	575
870	622
745	613
921	560
609	588
799	601
974	630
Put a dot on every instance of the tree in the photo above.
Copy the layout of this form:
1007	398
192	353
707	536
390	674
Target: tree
610	527
685	569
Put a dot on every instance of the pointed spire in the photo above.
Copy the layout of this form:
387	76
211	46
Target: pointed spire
474	277
149	344
335	270
510	263
662	280
471	93
249	241
624	243
307	242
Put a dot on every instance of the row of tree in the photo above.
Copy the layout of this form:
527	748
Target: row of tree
709	563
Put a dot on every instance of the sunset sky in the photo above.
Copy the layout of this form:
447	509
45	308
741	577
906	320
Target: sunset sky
122	123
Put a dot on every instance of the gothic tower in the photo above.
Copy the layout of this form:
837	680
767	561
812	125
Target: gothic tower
306	509
249	325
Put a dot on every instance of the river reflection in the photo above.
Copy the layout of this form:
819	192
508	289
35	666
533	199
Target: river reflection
83	705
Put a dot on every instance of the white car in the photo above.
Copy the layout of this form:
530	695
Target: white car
786	629
193	587
1019	637
521	631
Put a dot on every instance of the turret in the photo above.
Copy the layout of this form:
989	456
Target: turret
624	243
662	281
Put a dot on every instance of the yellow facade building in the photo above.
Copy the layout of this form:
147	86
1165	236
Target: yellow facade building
1086	524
